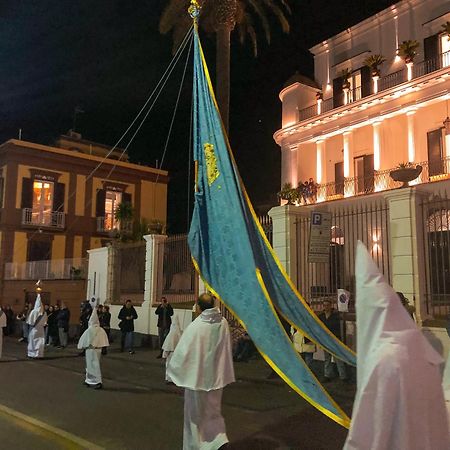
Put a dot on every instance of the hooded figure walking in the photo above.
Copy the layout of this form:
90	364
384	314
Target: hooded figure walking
37	320
92	341
171	342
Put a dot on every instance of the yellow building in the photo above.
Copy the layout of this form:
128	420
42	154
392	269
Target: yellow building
59	201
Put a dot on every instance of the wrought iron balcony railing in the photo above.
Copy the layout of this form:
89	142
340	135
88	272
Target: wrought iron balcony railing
51	219
387	82
56	269
378	181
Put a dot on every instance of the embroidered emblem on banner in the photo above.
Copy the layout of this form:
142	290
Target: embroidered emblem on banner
212	172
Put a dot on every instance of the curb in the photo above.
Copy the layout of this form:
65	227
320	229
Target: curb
65	439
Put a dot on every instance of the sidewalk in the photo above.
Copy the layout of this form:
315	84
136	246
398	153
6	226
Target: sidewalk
137	410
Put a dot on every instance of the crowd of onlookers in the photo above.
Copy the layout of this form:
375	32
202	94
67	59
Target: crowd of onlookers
58	322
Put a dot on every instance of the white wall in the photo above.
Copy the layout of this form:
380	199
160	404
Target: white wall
97	274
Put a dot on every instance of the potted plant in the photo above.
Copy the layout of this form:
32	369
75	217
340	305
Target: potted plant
345	75
407	50
288	193
405	172
373	62
155	227
124	215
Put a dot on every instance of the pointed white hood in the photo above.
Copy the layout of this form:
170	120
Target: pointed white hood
37	303
399	403
93	320
36	312
94	336
174	335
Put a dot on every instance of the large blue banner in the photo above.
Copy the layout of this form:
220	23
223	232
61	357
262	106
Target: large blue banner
237	263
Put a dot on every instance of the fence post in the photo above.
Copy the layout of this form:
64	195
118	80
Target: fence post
284	239
406	246
154	255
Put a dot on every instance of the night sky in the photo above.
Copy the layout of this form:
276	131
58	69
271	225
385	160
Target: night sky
106	56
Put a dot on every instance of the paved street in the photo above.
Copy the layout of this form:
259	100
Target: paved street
137	410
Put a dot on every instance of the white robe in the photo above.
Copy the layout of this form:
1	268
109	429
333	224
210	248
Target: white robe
93	340
202	363
446	387
2	325
399	404
171	342
36	335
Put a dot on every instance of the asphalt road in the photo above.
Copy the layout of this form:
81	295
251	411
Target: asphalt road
137	410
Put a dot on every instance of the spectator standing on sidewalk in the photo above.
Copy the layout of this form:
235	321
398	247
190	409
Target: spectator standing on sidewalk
10	322
23	317
127	316
105	323
164	311
332	321
63	325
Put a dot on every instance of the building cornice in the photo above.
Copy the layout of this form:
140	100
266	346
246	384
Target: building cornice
381	17
81	156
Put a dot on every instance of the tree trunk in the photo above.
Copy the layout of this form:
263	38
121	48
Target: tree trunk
223	72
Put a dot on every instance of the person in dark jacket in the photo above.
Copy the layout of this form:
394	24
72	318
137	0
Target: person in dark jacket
164	311
52	326
332	321
63	325
10	321
127	316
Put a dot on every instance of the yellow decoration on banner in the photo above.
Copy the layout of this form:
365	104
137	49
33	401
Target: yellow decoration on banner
212	172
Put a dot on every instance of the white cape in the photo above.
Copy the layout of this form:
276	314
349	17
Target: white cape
446	386
203	360
2	325
399	402
173	337
94	336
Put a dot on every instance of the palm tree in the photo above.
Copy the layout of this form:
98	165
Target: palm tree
222	17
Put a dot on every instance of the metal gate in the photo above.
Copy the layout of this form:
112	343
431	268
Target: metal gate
180	280
356	220
436	241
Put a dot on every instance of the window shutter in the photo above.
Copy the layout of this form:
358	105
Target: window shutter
2	186
126	198
338	93
27	193
58	198
431	47
366	81
100	206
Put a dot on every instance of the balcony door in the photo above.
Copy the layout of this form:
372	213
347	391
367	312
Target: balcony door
339	178
364	174
112	200
435	152
43	193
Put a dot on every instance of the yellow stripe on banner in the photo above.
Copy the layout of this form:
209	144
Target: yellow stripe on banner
263	235
344	420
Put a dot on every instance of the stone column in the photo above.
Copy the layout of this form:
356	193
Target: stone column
406	246
321	168
411	139
154	254
285	237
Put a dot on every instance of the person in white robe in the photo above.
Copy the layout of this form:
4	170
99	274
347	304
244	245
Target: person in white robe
37	320
2	325
92	341
446	387
202	364
399	403
171	342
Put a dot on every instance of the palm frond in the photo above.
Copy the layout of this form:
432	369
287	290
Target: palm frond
262	16
281	16
172	13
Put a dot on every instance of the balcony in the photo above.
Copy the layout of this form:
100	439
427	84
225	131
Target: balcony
49	219
379	181
108	224
56	269
384	83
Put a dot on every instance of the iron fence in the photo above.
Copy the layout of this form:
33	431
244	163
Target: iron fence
180	280
266	224
365	221
436	241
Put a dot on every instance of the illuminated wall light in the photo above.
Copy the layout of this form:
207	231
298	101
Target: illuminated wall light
376	241
319	106
397	57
